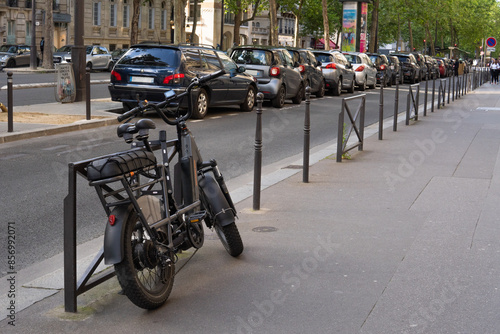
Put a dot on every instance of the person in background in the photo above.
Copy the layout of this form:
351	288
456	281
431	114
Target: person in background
42	44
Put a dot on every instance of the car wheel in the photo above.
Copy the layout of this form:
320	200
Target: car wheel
89	66
297	99
374	84
321	91
351	89
362	86
11	63
413	79
279	100
200	107
249	102
337	88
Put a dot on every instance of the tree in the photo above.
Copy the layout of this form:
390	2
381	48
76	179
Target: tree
238	8
326	24
273	18
134	26
373	47
48	36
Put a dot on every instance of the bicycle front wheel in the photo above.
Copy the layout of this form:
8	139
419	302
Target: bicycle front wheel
146	273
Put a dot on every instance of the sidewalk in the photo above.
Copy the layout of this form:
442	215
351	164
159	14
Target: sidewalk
402	238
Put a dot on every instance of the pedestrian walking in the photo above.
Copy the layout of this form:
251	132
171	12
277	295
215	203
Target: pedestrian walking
494	69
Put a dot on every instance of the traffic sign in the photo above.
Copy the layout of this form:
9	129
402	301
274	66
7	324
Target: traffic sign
490	49
491	42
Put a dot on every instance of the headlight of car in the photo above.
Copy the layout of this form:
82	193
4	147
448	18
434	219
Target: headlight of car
4	58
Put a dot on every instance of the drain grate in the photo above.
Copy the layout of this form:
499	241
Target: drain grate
265	229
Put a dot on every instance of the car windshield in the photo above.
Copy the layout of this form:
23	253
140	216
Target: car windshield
404	59
252	56
226	61
149	56
375	59
324	57
8	48
66	48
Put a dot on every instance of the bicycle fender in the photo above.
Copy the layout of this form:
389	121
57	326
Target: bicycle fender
220	209
113	235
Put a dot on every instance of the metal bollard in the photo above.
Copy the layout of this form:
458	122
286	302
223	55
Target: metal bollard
396	102
257	173
433	93
449	88
453	92
87	93
381	113
307	136
10	104
426	89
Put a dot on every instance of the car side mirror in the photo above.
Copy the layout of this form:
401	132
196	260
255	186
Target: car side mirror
241	69
318	63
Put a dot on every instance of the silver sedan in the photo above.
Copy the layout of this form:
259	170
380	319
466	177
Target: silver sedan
366	73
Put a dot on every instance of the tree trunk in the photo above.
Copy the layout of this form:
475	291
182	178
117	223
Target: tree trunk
297	19
372	47
195	19
134	26
179	21
326	24
411	35
48	36
429	39
237	24
273	17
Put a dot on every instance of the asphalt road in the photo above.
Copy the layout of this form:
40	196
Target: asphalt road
34	172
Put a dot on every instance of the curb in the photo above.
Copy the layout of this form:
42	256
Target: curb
57	130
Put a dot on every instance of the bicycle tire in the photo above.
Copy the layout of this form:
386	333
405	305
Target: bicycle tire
230	238
144	279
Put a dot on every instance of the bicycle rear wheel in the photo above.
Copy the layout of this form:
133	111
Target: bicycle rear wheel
146	273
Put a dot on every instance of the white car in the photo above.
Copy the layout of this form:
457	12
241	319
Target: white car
365	70
98	57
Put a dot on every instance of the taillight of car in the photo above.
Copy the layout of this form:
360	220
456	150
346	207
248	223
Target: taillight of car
175	78
302	68
382	67
274	71
360	68
332	66
116	75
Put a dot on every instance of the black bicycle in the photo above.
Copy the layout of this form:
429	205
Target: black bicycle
153	216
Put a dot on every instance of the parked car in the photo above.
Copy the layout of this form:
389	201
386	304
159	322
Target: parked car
397	70
448	66
432	67
421	63
384	71
147	71
337	71
15	55
411	70
97	57
310	68
277	77
366	73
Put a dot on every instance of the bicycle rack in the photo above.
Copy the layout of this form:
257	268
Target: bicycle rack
412	102
72	287
360	113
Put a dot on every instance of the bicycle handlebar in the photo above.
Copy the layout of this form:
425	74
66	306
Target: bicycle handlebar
157	106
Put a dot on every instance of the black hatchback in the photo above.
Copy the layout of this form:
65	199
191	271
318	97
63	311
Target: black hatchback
146	72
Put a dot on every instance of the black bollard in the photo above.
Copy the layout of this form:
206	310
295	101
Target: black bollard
10	104
396	102
381	113
257	173
87	93
307	137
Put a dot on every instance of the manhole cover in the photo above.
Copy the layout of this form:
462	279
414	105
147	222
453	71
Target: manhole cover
265	229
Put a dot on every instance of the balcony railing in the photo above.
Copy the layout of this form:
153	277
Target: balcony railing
12	3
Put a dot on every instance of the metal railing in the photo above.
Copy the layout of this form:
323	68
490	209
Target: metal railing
412	102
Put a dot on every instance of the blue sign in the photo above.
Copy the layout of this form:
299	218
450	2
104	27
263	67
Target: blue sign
491	42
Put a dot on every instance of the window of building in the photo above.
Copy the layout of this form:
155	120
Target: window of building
151	17
163	24
191	11
112	15
96	9
126	14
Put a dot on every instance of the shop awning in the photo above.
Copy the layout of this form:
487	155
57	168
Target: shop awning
320	44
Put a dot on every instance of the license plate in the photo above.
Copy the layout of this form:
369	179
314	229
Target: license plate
255	73
142	80
392	67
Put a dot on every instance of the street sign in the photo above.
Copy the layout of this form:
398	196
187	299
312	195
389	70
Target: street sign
491	42
490	49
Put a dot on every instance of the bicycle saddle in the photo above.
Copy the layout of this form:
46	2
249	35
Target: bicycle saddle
142	126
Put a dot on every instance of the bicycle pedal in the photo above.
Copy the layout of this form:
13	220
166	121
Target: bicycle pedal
197	216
